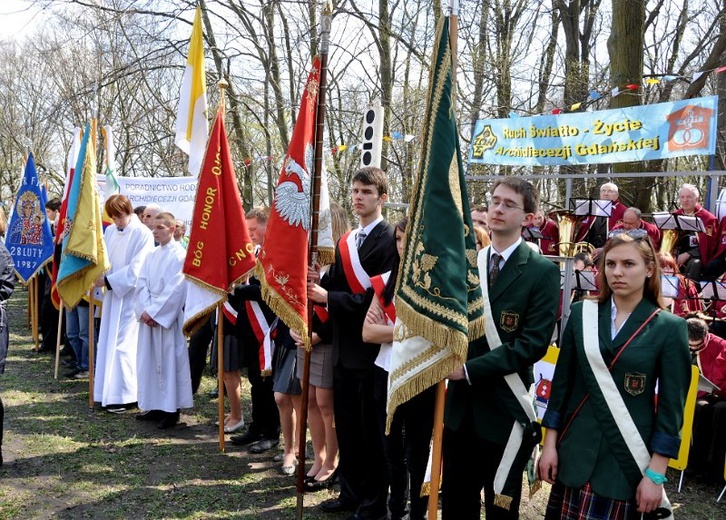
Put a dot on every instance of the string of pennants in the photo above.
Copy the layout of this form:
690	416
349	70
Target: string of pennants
648	81
593	96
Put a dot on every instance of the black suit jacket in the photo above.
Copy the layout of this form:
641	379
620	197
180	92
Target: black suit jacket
348	310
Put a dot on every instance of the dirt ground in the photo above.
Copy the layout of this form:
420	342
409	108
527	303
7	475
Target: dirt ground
65	460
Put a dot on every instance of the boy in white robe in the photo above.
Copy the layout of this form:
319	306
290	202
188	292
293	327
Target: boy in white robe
164	378
128	242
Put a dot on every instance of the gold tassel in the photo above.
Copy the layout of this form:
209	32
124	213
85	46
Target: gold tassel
536	486
503	501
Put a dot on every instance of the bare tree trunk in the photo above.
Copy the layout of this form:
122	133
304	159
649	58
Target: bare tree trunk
234	111
625	47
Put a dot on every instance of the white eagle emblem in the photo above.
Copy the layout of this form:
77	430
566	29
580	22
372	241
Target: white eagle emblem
291	203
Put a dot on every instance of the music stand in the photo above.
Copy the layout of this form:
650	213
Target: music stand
585	280
581	282
669	285
713	290
680	222
532	233
591	207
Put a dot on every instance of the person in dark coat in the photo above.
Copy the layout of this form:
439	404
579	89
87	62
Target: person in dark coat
7	286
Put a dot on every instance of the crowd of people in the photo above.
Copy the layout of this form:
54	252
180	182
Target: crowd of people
606	445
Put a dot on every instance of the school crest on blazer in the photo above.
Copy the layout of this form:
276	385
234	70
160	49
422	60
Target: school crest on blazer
634	383
508	321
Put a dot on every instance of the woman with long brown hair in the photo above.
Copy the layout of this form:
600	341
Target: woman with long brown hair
607	446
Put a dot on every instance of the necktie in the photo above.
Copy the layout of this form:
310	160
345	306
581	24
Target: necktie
494	272
360	238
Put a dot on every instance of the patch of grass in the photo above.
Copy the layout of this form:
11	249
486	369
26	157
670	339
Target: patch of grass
68	462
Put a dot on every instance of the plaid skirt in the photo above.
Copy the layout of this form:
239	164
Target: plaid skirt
567	503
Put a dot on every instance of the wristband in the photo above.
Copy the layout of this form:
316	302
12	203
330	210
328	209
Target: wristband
657	478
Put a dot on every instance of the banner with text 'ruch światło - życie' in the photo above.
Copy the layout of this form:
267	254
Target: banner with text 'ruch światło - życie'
639	133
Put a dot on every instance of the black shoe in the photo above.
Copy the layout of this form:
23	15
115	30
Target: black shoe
246	438
116	409
67	351
169	421
264	445
72	372
150	415
336	505
313	485
213	394
69	363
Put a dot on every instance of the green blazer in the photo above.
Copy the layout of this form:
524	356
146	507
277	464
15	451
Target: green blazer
592	448
524	302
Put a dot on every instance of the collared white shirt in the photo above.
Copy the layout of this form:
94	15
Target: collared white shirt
504	254
614	313
369	228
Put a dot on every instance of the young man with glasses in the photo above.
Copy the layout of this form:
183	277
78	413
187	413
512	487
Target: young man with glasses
484	401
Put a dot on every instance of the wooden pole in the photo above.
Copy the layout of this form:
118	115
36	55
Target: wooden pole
30	302
436	450
325	21
34	313
91	348
441	385
220	373
58	341
222	84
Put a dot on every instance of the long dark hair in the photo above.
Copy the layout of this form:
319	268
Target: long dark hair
390	289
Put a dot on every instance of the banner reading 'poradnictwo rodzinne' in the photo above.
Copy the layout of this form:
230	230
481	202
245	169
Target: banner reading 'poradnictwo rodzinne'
640	133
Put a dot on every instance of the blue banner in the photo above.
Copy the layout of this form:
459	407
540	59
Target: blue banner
640	133
29	238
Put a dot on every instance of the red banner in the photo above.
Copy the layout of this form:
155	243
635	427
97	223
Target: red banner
220	252
283	261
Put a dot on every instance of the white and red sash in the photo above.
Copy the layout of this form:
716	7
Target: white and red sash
262	331
229	312
357	278
379	284
616	406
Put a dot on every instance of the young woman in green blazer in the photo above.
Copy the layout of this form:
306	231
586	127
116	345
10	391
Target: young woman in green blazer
607	462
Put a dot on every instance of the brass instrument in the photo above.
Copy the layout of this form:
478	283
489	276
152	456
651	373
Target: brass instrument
668	241
567	225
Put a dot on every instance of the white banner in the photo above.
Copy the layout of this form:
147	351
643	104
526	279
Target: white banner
173	194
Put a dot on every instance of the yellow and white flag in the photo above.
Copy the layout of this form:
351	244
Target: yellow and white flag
191	116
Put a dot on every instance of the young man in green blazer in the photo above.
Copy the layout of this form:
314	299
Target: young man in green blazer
483	411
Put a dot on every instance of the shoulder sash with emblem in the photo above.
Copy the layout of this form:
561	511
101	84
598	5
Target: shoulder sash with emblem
519	450
603	385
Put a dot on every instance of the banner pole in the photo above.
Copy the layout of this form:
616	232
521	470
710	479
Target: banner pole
58	341
34	313
325	21
30	303
220	373
436	450
91	348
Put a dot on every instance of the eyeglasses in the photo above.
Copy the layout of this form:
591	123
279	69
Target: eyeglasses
637	234
505	205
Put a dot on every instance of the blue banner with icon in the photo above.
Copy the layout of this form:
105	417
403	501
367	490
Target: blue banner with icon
639	133
29	238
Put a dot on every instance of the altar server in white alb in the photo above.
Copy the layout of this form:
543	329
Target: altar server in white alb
128	242
165	383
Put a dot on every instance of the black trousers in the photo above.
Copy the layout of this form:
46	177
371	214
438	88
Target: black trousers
362	468
469	466
265	416
708	447
407	448
198	347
